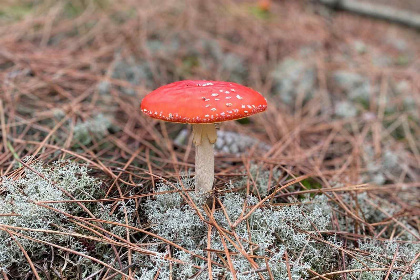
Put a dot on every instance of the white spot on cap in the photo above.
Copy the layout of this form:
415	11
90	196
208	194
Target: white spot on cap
214	94
239	97
232	90
206	99
227	92
228	97
222	113
228	104
204	85
220	90
206	116
246	112
208	105
249	106
243	106
213	109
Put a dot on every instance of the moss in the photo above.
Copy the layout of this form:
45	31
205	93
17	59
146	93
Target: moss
259	13
310	184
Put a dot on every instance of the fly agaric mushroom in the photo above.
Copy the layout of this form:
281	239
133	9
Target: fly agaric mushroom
202	104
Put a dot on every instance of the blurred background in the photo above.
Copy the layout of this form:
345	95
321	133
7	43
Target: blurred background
336	80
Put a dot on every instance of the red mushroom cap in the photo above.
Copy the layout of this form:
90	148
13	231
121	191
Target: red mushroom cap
202	102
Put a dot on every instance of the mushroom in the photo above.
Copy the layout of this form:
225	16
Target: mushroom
202	104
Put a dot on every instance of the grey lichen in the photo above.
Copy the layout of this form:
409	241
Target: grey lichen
345	109
304	229
379	169
294	77
269	232
357	87
95	128
228	142
21	205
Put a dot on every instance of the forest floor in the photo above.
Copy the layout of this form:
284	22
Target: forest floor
323	185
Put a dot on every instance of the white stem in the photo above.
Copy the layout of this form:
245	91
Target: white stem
204	136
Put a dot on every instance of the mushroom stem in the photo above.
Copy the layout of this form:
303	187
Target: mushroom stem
204	136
